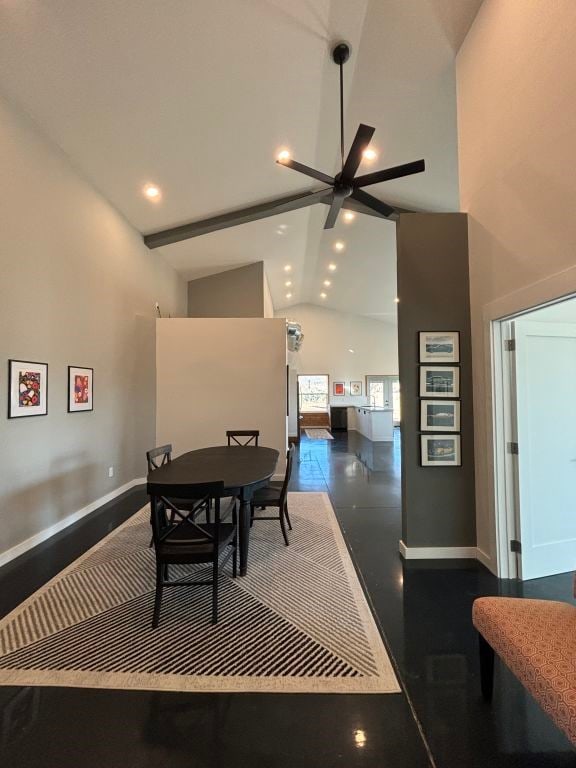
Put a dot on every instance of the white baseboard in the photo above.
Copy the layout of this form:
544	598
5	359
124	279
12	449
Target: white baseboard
52	530
437	553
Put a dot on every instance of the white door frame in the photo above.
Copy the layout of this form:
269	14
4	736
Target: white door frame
504	430
505	495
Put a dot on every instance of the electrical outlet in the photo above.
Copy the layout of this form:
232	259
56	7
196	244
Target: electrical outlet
110	471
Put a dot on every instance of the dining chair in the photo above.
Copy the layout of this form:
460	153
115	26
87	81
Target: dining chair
275	494
180	540
243	437
158	457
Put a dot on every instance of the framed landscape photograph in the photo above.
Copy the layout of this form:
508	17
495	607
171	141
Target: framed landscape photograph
439	381
440	451
28	389
439	346
80	389
355	388
440	416
338	388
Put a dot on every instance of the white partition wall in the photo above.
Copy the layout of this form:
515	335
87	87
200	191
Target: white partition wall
215	374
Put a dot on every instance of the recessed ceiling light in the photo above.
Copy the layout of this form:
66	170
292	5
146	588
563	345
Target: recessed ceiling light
288	283
369	154
280	231
397	300
351	351
152	192
282	226
327	283
349	216
339	246
323	295
283	155
332	267
287	268
288	295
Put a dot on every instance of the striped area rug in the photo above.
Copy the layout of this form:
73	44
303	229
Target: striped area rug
297	622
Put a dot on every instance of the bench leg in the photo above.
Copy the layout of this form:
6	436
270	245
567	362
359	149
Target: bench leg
486	668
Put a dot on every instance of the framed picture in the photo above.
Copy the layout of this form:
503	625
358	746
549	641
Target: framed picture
28	395
356	388
440	451
439	346
443	416
80	389
439	381
338	388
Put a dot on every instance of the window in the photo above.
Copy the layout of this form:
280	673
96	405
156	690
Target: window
313	391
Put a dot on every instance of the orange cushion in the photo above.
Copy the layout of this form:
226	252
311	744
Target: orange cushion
537	640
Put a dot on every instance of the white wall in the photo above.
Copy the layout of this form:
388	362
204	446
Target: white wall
517	124
218	374
77	287
268	303
328	335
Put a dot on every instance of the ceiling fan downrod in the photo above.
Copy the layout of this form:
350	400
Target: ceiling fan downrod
340	55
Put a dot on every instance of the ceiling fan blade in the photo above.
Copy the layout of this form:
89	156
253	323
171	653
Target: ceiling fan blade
361	140
371	202
318	175
335	207
390	173
236	217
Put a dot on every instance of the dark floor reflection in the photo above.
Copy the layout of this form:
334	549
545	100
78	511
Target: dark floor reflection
424	609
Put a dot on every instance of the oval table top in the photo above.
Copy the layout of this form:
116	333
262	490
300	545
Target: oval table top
237	466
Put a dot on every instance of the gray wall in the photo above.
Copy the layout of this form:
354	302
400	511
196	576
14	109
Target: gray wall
77	287
235	293
433	287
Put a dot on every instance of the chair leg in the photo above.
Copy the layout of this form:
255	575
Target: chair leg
215	590
208	513
158	598
251	515
283	525
486	668
287	516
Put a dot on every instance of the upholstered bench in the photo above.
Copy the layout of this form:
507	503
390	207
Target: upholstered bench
536	639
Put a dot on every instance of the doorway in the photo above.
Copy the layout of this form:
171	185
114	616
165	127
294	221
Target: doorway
535	440
384	392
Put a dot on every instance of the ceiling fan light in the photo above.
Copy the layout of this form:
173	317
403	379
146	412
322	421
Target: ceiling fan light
369	154
349	216
283	156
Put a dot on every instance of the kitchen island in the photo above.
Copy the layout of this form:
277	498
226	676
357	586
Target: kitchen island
374	423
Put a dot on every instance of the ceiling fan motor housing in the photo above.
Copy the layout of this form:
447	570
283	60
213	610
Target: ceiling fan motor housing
341	53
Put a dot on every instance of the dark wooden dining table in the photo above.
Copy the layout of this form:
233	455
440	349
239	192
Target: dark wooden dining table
243	469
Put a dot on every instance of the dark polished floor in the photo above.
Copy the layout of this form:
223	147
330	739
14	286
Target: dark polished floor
423	609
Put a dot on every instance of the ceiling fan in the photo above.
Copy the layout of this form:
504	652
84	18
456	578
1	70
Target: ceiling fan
346	184
344	190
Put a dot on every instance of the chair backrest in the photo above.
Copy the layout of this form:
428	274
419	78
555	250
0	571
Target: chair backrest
199	494
288	475
157	457
243	437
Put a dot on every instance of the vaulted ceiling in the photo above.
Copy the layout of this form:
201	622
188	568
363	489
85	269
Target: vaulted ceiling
198	97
